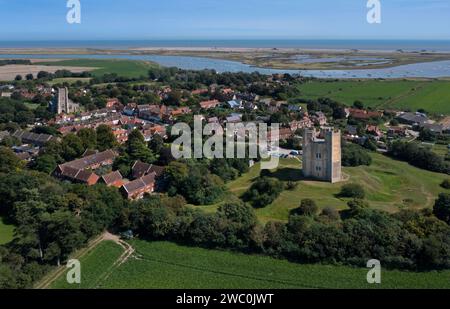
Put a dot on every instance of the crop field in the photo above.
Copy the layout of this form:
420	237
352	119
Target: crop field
164	265
390	185
433	96
6	232
124	68
95	265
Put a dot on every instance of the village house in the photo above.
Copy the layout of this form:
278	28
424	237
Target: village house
374	130
26	152
360	114
434	128
39	140
113	179
209	104
174	113
319	118
227	91
136	189
199	91
250	106
159	130
121	135
413	119
301	124
141	169
285	133
81	170
113	103
130	109
394	132
352	130
235	104
77	175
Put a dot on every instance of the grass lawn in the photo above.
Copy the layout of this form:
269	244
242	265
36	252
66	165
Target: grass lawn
6	232
31	106
433	96
124	68
164	265
390	186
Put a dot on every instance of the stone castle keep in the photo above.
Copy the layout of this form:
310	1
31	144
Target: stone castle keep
322	156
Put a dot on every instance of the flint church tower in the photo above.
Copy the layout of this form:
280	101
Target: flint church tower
322	155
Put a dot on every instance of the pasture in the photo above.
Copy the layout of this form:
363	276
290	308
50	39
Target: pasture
165	265
431	95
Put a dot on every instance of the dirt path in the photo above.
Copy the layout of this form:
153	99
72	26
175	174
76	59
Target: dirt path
106	236
127	253
128	249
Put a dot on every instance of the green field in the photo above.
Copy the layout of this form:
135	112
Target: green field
164	265
124	68
95	265
390	185
433	96
6	232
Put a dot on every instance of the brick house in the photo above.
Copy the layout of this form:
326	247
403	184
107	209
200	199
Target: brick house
209	104
113	179
136	189
81	170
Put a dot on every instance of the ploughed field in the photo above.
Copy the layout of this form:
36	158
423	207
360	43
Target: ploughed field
165	265
431	95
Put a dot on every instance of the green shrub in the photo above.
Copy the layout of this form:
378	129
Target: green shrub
353	190
307	208
446	184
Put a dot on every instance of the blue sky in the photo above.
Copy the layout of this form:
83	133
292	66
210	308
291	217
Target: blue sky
223	19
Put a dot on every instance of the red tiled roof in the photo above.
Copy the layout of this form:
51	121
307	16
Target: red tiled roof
209	104
113	179
139	184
